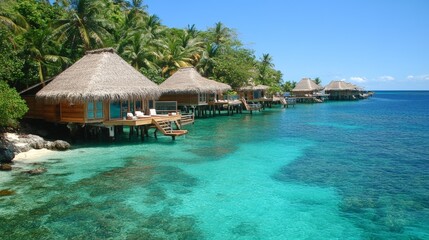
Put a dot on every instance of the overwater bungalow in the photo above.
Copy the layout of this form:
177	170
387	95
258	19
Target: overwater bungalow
193	91
341	90
101	89
307	90
256	96
254	93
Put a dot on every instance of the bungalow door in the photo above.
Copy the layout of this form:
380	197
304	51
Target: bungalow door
257	94
115	110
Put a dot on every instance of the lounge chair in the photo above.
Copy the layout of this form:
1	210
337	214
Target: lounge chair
154	114
130	116
140	114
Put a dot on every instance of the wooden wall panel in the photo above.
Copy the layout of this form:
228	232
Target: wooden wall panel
72	113
41	110
182	99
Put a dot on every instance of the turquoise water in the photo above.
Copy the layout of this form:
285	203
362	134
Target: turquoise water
337	170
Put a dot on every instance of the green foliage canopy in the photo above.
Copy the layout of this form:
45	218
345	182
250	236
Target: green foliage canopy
40	39
12	106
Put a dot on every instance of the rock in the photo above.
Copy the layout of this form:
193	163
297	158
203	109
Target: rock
35	141
58	145
6	192
36	171
5	167
22	143
21	147
49	145
6	155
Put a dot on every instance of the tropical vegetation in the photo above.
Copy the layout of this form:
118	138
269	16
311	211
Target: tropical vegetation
12	107
40	38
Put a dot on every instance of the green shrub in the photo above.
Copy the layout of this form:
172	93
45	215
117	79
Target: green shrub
12	106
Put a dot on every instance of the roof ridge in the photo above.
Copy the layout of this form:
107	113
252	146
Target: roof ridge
101	50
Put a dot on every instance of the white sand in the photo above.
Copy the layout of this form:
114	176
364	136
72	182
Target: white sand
23	161
34	155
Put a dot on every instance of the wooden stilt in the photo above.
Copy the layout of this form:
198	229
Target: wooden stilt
146	130
131	132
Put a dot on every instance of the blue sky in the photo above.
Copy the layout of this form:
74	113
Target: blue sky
376	44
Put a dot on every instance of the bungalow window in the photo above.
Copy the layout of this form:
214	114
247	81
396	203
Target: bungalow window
94	110
90	110
138	105
202	97
99	109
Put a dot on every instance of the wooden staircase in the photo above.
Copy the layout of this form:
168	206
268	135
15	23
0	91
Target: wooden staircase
283	101
250	107
164	126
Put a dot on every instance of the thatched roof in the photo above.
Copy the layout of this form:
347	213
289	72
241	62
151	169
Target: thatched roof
188	80
305	85
257	87
100	74
340	86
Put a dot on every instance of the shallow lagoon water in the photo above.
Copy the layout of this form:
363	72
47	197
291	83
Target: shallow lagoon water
338	170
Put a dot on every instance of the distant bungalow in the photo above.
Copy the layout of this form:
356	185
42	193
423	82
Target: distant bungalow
341	90
307	90
100	89
254	93
191	90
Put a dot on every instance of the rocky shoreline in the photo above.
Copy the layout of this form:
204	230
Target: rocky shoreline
13	143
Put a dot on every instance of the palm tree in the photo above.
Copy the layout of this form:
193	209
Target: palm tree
12	20
317	81
41	52
266	63
192	31
221	33
173	56
84	24
288	86
207	62
124	31
139	53
152	27
138	4
191	45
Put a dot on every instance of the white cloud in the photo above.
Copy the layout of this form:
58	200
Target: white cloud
358	79
386	78
419	77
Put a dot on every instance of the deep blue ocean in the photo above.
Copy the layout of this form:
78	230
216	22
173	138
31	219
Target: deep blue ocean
335	170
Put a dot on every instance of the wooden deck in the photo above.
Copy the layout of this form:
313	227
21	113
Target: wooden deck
163	123
141	121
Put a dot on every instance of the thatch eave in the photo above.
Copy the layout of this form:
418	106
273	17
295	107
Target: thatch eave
189	81
99	75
